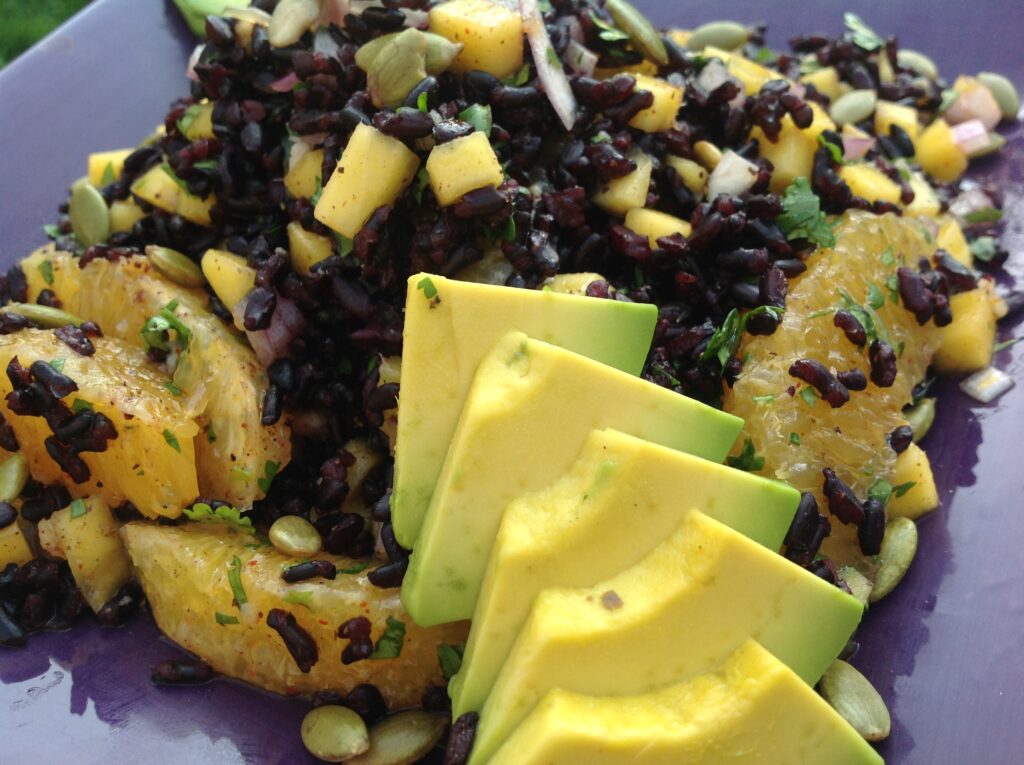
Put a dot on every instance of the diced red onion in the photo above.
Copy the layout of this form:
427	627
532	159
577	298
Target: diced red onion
193	59
971	136
734	175
285	84
987	385
285	325
551	75
975	103
855	147
712	76
971	199
580	58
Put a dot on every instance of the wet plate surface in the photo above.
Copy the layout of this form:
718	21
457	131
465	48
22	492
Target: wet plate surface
944	648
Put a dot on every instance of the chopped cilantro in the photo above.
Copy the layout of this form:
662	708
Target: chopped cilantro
174	389
317	192
51	230
508	231
421	102
902	488
794	438
427	285
881	490
1005	344
608	32
344	244
206	164
747	459
270	469
300	597
949	96
766	56
78	508
892	283
241	471
257	545
726	339
81	405
186	119
389	646
229	516
450	659
479	116
166	167
767	399
802	217
235	579
211	434
861	34
601	136
986	215
172	440
984	248
887	257
223	619
372	363
108	175
156	330
808	394
57	364
834	149
422	181
46	269
876	298
356	569
521	77
552	56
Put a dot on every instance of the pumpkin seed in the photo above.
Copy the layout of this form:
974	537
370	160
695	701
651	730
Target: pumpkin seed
855	106
90	216
642	34
898	549
176	266
43	315
995	143
13	477
398	68
1004	92
402	739
854	697
727	35
441	51
293	535
917	62
860	586
290	20
920	417
334	733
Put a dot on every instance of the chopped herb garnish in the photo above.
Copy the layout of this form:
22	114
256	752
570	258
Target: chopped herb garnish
172	440
949	97
270	469
51	230
808	395
81	405
986	215
46	269
892	283
174	389
300	597
601	137
257	545
876	298
726	339
794	438
225	618
235	579
420	185
834	149
861	34
902	488
356	569
766	56
822	312
552	56
229	516
767	399
78	508
186	120
747	459
881	490
1005	344
343	243
520	78
108	175
241	471
508	231
608	32
57	364
211	434
389	646
156	331
887	257
427	285
479	116
317	192
166	167
802	217
450	659
206	164
421	102
984	248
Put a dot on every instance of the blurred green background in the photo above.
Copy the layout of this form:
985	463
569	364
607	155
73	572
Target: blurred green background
23	22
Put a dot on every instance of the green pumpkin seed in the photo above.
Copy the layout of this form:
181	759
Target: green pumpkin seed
917	62
176	266
920	417
1003	91
642	34
295	536
90	216
291	19
368	51
43	315
397	68
898	549
727	35
855	106
402	739
252	15
334	733
856	700
995	143
860	586
441	52
13	477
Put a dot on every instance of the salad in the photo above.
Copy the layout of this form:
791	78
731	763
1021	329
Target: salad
208	368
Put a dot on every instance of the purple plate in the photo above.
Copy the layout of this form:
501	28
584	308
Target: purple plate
945	648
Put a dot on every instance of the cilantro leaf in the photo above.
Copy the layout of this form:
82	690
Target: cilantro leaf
450	659
809	396
58	364
427	285
156	331
881	490
802	217
230	516
344	244
986	215
224	619
317	192
900	489
235	580
166	167
171	440
46	269
748	459
186	119
300	597
357	568
51	230
421	102
270	469
108	175
608	32
876	298
861	34
78	508
479	116
389	646
834	149
723	343
794	438
984	248
81	405
552	57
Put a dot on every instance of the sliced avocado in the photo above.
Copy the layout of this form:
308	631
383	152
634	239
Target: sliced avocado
622	497
449	327
528	413
754	709
678	613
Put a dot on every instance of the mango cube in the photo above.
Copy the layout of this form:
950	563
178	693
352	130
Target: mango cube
791	154
491	35
661	115
303	177
938	153
871	183
162	191
620	195
105	166
825	81
230	276
912	466
888	114
463	165
374	170
926	201
654	224
751	74
198	122
965	345
694	176
306	248
14	547
123	215
951	239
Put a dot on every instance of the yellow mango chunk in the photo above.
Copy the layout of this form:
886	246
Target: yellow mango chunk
791	155
825	81
821	121
306	248
871	183
123	215
888	114
751	74
938	153
491	35
620	195
303	177
14	547
161	190
661	115
654	224
645	67
105	166
229	275
680	36
965	345
694	176
912	466
926	201
199	121
951	239
463	165
374	170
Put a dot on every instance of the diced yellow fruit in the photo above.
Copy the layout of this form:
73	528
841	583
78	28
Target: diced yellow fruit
105	166
888	113
965	345
645	67
751	74
871	183
661	115
912	466
654	224
306	248
202	124
491	35
951	239
123	215
938	153
821	121
572	284
14	547
926	201
620	195
825	81
461	166
89	538
230	276
303	177
373	170
694	176
680	36
160	190
791	154
850	130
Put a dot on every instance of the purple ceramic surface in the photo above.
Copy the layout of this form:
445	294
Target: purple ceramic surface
946	648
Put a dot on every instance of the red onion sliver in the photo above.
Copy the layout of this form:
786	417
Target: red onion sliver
855	148
580	58
285	84
193	59
552	76
272	343
971	136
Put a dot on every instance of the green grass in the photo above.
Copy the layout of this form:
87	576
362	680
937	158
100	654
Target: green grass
27	21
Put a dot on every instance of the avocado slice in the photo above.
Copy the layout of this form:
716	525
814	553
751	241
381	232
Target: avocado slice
528	413
622	497
449	327
754	709
678	613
